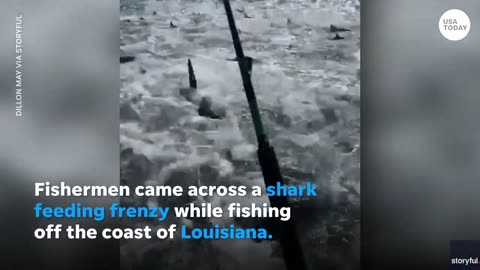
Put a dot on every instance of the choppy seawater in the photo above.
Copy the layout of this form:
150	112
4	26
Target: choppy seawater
308	91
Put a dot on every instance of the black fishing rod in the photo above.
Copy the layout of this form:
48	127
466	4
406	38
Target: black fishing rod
284	231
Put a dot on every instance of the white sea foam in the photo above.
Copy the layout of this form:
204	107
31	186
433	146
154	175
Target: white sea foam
299	71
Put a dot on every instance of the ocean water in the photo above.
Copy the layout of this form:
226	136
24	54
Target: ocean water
308	91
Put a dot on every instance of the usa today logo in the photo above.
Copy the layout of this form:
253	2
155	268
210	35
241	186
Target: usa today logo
454	24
